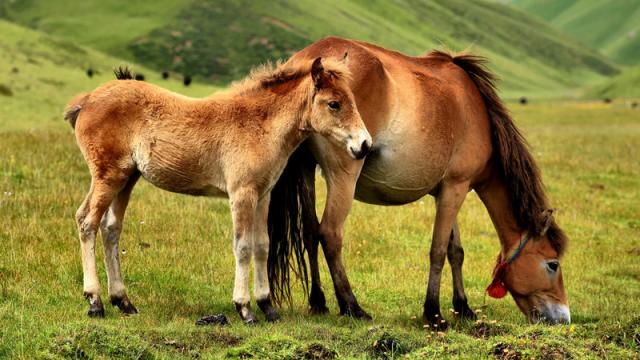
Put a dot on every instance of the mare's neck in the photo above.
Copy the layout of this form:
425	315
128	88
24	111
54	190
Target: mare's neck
498	201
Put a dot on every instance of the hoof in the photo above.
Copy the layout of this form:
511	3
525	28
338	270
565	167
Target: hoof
219	319
247	316
356	312
96	309
435	322
318	310
270	313
124	305
463	311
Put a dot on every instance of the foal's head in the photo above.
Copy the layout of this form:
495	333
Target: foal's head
333	111
534	278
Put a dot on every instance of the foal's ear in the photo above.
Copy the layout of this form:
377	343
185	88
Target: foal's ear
317	73
345	58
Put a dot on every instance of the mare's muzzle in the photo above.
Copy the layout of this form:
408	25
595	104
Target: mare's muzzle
552	313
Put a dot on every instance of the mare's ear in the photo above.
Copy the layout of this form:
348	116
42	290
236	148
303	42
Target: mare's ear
317	73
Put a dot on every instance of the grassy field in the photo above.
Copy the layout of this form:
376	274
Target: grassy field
176	250
178	263
209	40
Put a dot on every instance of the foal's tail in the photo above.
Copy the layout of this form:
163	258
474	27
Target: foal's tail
292	224
72	110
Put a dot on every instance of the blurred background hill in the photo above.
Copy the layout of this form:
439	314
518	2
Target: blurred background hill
541	49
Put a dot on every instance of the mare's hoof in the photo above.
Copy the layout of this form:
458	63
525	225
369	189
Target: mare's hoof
124	305
435	322
270	313
219	319
356	312
318	310
247	316
96	309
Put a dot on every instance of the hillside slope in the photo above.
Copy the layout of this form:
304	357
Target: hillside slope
41	73
211	40
624	85
612	27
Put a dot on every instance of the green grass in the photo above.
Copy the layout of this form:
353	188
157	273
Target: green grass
212	41
178	263
613	27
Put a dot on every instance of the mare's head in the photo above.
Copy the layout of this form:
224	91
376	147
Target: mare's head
533	276
333	112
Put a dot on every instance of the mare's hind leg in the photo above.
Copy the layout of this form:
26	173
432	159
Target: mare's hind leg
88	220
317	300
455	254
448	202
111	228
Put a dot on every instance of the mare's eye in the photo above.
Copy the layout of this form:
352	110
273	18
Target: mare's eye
553	265
334	105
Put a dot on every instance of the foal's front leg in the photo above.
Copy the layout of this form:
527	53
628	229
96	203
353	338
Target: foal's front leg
243	211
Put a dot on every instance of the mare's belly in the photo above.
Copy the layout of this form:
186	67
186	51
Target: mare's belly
401	169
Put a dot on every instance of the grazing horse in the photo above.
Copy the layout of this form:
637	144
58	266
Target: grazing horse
233	144
439	128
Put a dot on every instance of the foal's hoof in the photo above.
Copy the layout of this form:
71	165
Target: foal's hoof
96	309
356	312
124	305
247	316
317	302
435	322
270	313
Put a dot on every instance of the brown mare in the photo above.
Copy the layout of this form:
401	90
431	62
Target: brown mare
439	128
234	144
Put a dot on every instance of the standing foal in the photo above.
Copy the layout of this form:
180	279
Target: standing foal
234	144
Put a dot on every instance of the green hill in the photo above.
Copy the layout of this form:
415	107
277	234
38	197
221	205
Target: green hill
612	27
41	73
220	41
624	85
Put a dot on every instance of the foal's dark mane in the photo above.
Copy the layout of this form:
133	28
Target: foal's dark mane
513	158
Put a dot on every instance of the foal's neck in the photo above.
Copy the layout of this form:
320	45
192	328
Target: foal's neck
277	114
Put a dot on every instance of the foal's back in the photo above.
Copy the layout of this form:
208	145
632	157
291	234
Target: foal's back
129	126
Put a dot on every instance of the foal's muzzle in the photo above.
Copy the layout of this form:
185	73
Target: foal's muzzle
359	145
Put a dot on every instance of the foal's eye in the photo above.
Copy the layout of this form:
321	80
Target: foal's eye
334	105
553	265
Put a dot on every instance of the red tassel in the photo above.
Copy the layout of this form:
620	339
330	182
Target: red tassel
497	289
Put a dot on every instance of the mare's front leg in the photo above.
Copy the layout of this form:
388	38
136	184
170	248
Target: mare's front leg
341	176
261	290
455	254
243	205
448	202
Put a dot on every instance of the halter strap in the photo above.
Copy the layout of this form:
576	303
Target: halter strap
497	289
523	242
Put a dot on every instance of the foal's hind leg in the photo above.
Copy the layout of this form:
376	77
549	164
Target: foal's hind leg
261	290
111	228
455	254
88	220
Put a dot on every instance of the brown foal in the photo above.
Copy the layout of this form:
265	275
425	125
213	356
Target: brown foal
233	144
